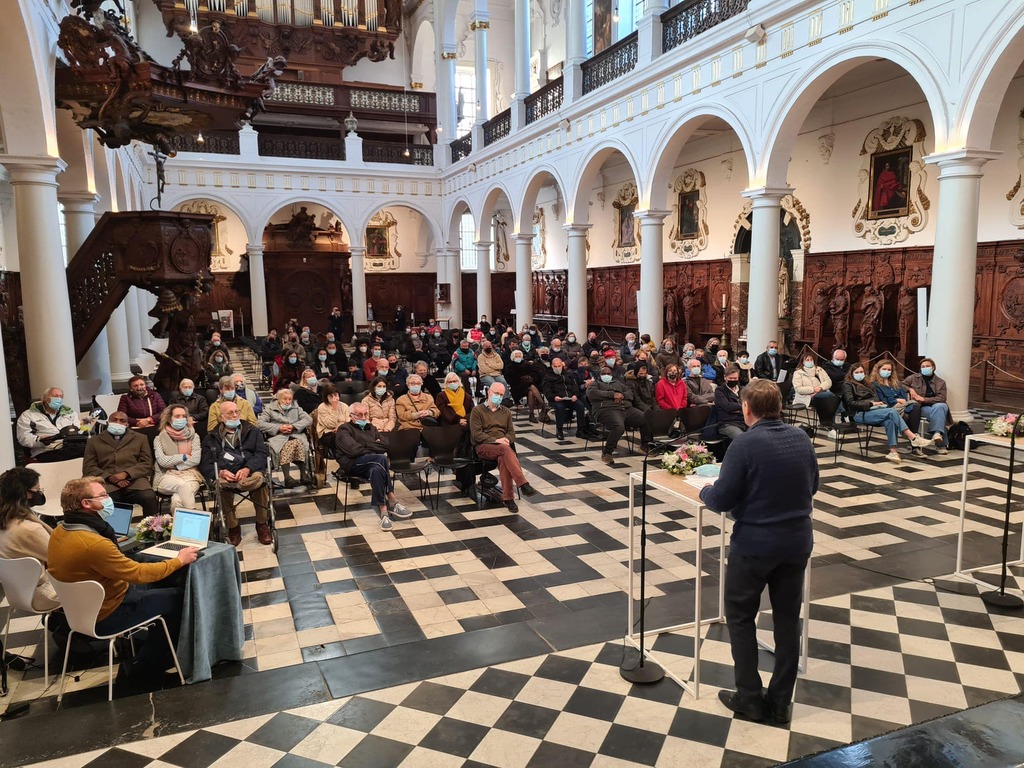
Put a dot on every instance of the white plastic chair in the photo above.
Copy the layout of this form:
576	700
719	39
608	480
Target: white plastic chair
19	578
53	476
87	388
82	601
108	403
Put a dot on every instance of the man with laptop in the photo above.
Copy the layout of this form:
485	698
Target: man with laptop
84	548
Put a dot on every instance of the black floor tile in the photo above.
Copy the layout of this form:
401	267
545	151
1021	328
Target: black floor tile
361	714
563	669
931	669
283	731
549	755
499	682
627	743
700	726
199	750
454	737
323	652
295	761
363	644
376	752
119	758
889	683
992	658
874	638
527	719
590	702
433	697
823	695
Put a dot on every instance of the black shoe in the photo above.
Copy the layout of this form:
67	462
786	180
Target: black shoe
778	713
511	505
528	490
559	436
754	709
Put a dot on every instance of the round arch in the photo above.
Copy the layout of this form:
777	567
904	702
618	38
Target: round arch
577	209
252	230
271	208
542	175
670	142
987	83
490	205
424	46
26	90
793	106
429	217
459	207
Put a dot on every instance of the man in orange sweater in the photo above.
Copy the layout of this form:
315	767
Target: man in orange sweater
84	548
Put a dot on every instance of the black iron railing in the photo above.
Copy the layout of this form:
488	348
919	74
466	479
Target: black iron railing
691	17
304	147
498	127
544	101
610	64
389	152
461	147
216	143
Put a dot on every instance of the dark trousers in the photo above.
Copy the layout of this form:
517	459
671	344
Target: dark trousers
913	418
564	410
616	421
745	580
145	498
144	601
374	467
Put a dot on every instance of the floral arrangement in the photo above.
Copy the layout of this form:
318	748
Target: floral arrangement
1003	426
687	458
154	528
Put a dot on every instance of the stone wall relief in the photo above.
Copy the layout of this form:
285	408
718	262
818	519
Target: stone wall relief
688	235
499	227
1016	195
382	253
793	213
221	251
892	203
626	242
539	252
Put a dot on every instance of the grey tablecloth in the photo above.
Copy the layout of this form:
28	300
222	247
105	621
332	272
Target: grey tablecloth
212	628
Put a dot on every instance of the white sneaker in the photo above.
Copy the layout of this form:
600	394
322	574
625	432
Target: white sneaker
832	434
937	438
941	450
400	512
893	457
386	524
921	442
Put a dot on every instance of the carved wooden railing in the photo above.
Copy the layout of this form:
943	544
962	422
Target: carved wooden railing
498	127
544	101
611	63
364	102
390	152
691	17
461	147
214	143
303	147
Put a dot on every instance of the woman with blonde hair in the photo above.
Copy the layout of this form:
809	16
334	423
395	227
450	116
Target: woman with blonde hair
381	404
453	402
862	401
177	453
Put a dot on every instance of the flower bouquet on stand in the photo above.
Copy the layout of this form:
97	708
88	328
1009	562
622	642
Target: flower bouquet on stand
686	458
155	528
1005	425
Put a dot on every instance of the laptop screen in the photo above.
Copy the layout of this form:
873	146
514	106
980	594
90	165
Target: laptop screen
192	525
121	519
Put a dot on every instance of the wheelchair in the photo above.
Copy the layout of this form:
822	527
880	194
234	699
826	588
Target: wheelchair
220	528
308	469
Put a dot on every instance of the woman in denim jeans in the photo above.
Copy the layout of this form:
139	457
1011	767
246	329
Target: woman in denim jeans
863	402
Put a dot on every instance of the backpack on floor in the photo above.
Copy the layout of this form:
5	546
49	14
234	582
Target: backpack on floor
958	435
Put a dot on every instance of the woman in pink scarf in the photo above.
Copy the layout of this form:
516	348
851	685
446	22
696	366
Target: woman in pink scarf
177	458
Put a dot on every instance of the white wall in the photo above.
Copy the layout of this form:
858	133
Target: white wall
231	240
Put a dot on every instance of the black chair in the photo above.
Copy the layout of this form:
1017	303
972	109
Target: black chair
661	422
826	408
696	423
443	442
401	445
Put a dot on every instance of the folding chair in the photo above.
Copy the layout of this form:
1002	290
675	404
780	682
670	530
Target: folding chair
18	578
401	446
220	526
443	442
826	409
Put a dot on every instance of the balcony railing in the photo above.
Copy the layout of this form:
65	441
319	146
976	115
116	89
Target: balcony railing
215	143
610	64
544	101
498	127
303	147
390	152
461	147
365	102
691	17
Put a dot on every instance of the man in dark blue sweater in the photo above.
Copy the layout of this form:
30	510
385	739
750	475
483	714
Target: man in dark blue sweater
767	482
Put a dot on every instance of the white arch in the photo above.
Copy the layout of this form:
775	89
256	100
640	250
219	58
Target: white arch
459	207
424	46
490	204
528	196
26	89
578	208
428	216
986	83
275	205
222	201
253	233
792	107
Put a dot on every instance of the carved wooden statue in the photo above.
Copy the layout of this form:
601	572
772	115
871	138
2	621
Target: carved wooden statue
560	291
302	227
783	290
839	308
819	311
691	300
906	311
872	303
671	311
549	296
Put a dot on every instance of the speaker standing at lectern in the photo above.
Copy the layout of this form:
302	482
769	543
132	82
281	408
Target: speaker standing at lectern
767	482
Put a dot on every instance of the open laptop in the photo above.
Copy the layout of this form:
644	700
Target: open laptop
121	521
191	529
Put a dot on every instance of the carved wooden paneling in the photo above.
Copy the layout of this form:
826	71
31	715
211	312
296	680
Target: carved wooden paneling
550	288
503	296
306	286
231	290
413	290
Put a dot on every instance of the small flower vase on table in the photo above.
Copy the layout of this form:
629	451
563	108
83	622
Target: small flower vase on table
1005	425
686	458
154	529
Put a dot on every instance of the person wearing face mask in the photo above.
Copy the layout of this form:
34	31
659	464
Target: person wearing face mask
526	378
612	404
492	435
475	335
216	344
562	391
291	369
336	323
198	408
285	427
861	400
707	367
22	532
528	348
380	404
416	408
890	391
616	366
464	361
336	356
439	350
360	353
229	395
292	346
307	392
667	355
39	428
590	345
810	381
771	362
417	353
689	352
370	366
122	457
720	362
670	392
490	366
84	548
728	413
746	367
217	365
247	393
143	406
699	390
928	391
572	347
272	344
329	415
837	368
453	403
323	367
641	384
628	348
177	453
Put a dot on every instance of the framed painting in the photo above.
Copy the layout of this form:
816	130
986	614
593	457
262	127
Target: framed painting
689	215
377	242
627	225
602	25
889	194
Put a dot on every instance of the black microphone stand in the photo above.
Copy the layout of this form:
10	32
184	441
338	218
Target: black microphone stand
998	597
645	672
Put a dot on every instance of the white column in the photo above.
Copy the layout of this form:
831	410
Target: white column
763	298
479	24
483	281
577	288
131	316
575	52
649	32
523	51
49	331
258	290
358	253
524	279
446	96
652	273
79	222
454	276
117	343
954	268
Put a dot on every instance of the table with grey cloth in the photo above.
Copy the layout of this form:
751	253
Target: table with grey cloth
212	628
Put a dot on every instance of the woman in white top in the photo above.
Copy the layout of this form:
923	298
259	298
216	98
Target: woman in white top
22	534
809	381
330	415
177	452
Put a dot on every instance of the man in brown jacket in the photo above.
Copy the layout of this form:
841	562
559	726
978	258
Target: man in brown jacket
122	457
492	433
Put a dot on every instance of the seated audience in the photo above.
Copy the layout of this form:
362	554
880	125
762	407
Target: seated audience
307	391
177	453
836	368
217	365
771	362
39	428
860	399
490	365
415	406
728	410
285	427
612	405
689	352
464	361
721	365
242	390
707	370
492	435
216	344
228	395
639	380
746	367
562	390
528	347
430	385
572	347
236	451
453	403
336	356
22	533
324	369
525	379
380	404
670	392
891	392
370	366
699	390
361	453
122	457
557	350
272	344
396	375
810	381
198	408
292	367
84	548
628	348
667	355
329	415
929	392
143	406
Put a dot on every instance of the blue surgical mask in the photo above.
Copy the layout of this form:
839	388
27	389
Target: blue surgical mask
187	392
526	344
885	374
496	399
415	389
108	508
376	353
773	352
380	391
744	360
927	370
838	363
808	364
310	381
688	353
360	423
293	360
858	377
322	358
606	378
233	423
116	429
179	424
216	343
56	403
228	395
453	385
